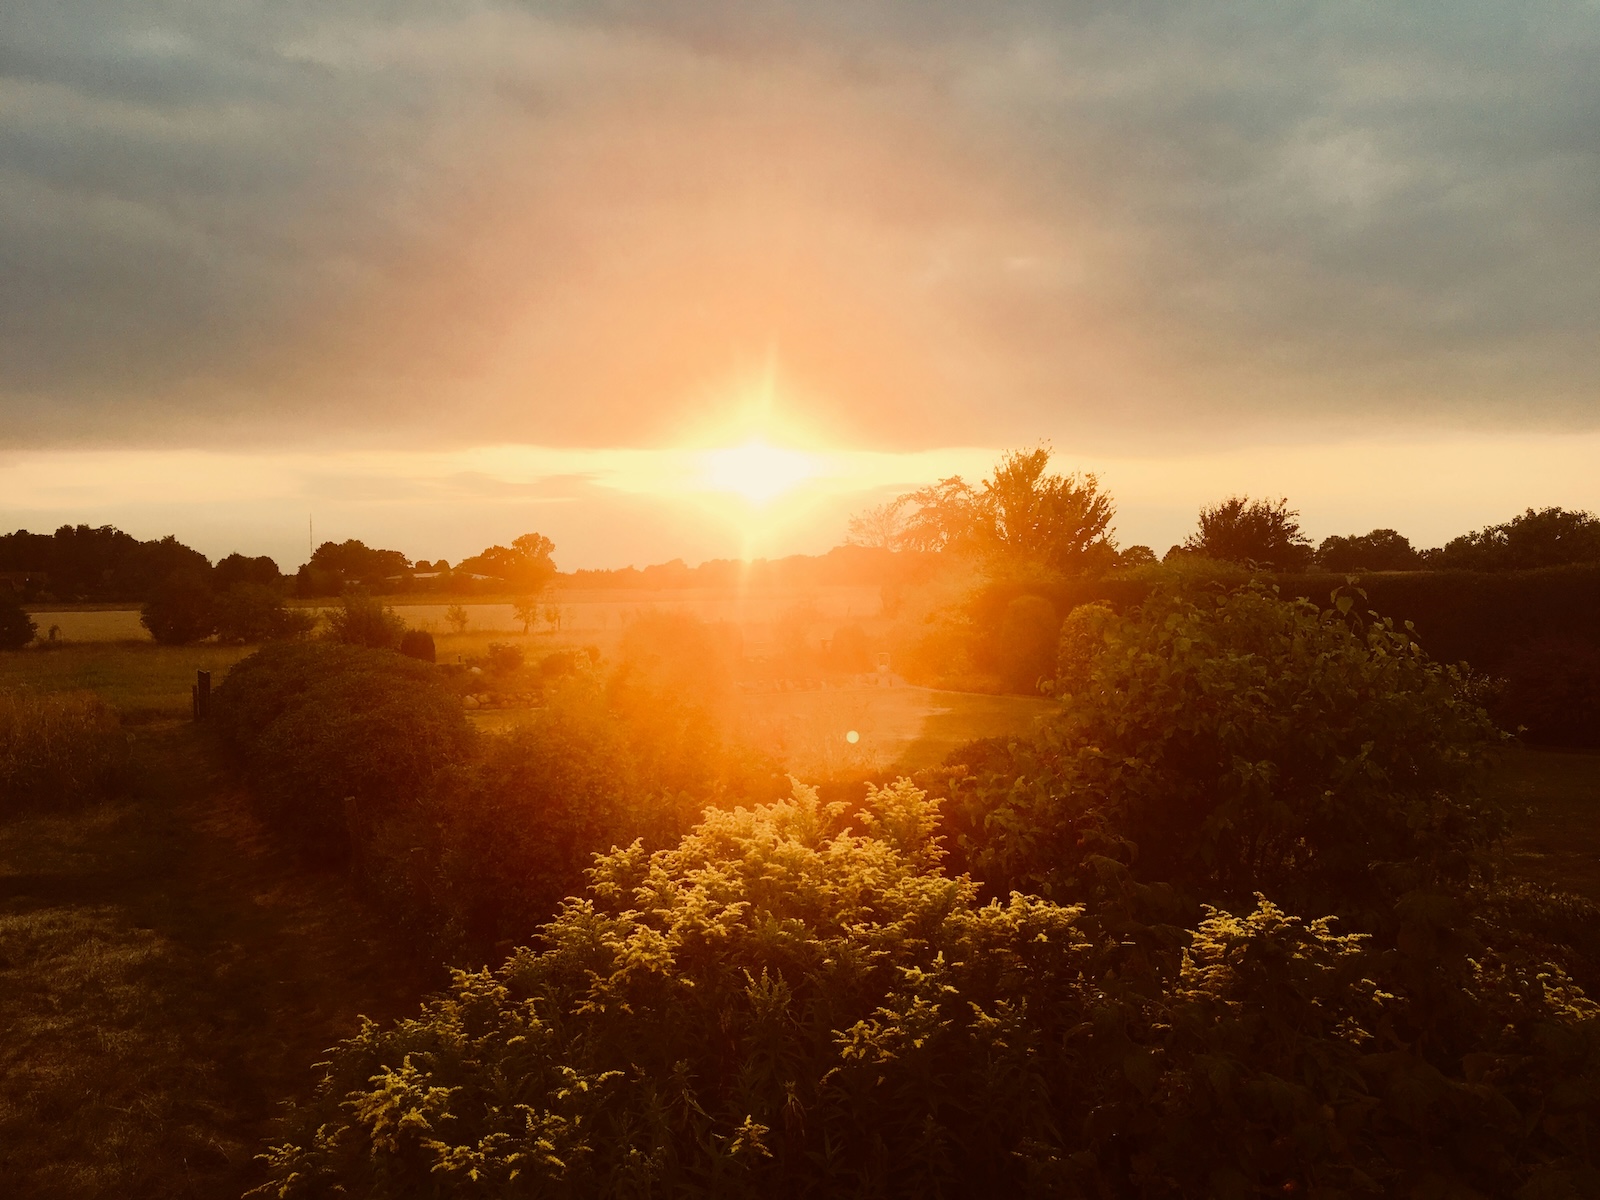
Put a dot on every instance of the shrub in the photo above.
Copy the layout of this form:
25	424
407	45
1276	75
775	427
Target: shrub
503	658
254	612
1552	688
16	627
1028	637
58	750
339	739
418	644
797	1000
361	620
1241	742
182	609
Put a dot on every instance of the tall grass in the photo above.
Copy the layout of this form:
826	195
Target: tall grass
58	750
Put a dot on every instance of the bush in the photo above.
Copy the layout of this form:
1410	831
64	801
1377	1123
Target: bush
418	644
1237	743
182	609
361	620
1552	688
503	659
339	739
16	627
1028	637
797	1000
58	750
253	612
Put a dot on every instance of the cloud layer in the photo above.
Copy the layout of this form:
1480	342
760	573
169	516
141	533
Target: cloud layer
1128	226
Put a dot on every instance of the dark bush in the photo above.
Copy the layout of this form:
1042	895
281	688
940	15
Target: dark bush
503	658
1552	689
253	612
1028	636
1238	743
182	609
418	644
16	627
338	739
361	620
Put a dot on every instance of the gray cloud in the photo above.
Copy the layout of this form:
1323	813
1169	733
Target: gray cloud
951	223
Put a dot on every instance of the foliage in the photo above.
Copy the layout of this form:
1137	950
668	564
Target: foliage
84	562
338	739
1552	690
362	620
181	610
1261	532
1380	550
255	612
418	644
1018	516
527	610
456	617
526	564
1028	636
239	568
58	750
1236	742
1549	537
797	1000
16	627
503	658
354	562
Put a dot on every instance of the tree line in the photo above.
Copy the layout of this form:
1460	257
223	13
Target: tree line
1025	515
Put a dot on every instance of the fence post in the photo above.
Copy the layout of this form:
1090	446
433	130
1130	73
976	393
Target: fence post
201	694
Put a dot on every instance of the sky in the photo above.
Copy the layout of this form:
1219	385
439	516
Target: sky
436	274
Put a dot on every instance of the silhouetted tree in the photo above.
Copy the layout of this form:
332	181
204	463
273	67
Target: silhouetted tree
254	612
526	564
1242	530
1549	537
237	569
16	627
1021	514
1380	550
181	609
361	620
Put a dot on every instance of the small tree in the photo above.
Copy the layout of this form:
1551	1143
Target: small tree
16	627
526	609
456	617
181	610
1242	530
252	612
364	621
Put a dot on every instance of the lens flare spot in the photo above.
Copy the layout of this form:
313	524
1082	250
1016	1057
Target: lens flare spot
852	737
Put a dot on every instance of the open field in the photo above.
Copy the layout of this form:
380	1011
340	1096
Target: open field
590	615
142	680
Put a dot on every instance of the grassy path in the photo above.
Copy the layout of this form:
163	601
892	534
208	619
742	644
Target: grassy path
167	978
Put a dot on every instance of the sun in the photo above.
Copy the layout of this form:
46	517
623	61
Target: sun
757	471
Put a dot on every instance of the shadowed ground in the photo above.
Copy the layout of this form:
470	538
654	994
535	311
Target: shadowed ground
167	978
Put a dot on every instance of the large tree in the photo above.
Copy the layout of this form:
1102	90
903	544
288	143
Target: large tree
527	564
1021	514
1548	537
1261	532
1380	550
